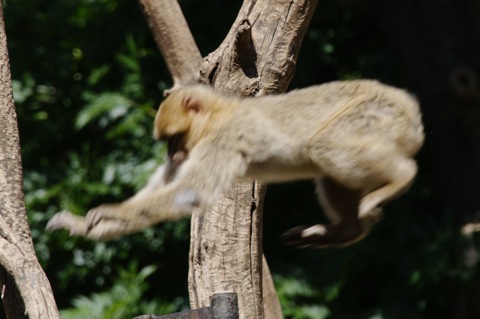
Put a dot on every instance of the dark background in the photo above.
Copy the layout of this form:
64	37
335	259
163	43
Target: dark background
88	79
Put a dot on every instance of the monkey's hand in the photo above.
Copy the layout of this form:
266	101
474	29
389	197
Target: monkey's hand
66	220
102	213
113	213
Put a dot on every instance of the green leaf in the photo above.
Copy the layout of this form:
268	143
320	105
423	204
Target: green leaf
129	62
111	105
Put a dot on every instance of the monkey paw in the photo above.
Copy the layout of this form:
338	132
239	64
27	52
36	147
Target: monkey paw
321	236
58	221
66	220
301	236
101	213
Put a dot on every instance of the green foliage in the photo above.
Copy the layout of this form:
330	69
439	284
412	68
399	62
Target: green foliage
86	87
123	300
299	299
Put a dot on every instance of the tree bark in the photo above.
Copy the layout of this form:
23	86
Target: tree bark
25	288
257	57
226	250
174	40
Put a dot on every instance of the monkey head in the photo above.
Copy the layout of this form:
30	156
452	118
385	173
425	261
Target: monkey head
183	119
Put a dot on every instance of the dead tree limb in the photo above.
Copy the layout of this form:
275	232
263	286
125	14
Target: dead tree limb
257	57
174	40
26	291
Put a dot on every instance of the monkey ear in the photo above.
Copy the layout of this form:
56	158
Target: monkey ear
193	105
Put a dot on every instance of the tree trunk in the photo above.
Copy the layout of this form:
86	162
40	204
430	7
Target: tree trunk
226	249
26	291
257	57
174	40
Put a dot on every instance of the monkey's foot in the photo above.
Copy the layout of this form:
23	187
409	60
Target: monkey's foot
321	236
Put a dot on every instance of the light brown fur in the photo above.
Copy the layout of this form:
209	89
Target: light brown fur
356	139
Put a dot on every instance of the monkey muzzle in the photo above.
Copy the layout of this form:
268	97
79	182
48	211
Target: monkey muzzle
176	149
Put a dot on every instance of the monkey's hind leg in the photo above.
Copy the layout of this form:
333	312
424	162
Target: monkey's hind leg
340	204
399	177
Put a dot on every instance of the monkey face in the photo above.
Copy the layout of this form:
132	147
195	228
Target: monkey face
176	148
171	126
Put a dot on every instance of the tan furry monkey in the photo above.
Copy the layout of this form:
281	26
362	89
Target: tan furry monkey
356	139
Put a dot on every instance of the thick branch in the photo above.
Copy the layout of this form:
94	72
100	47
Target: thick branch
257	57
17	255
226	250
174	39
266	36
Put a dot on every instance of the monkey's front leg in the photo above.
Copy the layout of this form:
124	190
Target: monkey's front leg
114	220
143	211
105	222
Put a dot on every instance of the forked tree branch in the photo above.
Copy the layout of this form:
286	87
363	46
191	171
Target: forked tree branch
174	39
257	57
261	49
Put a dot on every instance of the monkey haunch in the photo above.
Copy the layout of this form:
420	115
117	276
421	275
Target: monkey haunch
356	139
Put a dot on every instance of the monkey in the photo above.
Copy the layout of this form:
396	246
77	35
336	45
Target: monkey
356	139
